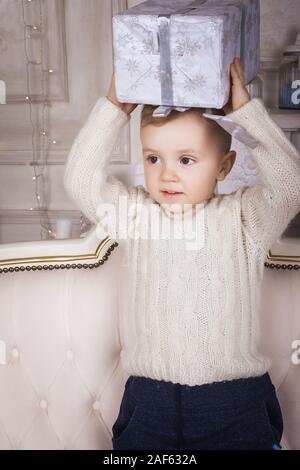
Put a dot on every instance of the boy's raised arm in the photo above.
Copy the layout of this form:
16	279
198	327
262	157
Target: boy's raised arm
85	178
268	207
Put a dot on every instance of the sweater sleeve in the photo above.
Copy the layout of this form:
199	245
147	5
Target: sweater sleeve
269	206
85	177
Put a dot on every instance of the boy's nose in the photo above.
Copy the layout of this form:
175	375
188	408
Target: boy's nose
168	174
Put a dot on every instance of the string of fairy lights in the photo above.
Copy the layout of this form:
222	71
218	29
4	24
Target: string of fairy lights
36	32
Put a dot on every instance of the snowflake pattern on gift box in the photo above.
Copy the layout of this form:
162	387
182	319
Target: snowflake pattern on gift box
137	85
194	84
186	46
123	40
148	46
140	82
156	71
132	66
185	98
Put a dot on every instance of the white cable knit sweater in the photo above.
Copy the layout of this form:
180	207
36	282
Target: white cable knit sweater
191	316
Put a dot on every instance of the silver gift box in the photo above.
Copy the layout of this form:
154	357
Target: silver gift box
178	52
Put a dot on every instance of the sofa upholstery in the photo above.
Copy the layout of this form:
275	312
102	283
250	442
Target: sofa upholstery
61	382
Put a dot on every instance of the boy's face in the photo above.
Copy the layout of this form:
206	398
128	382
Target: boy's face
181	156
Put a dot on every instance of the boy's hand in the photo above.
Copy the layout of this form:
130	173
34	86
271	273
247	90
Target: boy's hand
239	93
111	95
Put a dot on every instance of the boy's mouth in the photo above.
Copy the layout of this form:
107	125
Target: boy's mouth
171	194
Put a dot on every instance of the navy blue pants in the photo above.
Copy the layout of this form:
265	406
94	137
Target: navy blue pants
235	414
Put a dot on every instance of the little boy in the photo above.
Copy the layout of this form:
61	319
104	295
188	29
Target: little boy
190	332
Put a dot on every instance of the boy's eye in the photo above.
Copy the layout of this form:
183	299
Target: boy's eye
184	159
151	158
187	158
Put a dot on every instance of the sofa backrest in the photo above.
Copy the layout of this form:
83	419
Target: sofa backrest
61	382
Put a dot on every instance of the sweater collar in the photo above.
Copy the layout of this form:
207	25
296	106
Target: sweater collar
177	212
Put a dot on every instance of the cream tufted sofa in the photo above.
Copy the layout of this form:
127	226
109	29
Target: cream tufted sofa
61	382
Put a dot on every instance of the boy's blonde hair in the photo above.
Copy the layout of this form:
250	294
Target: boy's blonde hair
222	137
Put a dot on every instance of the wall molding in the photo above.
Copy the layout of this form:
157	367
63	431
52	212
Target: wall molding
269	64
16	223
54	54
26	216
59	157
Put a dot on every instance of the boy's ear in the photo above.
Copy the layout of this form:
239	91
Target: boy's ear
226	164
231	155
